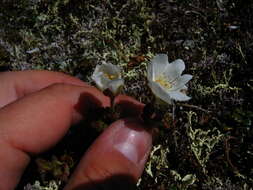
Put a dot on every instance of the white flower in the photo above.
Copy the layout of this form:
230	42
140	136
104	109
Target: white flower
108	76
165	79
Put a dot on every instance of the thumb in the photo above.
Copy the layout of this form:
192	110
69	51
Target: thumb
116	159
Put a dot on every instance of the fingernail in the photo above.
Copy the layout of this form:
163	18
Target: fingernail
132	141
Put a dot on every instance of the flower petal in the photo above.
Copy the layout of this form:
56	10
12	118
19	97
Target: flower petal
107	76
100	80
184	87
179	96
158	64
180	82
110	69
174	70
115	85
159	92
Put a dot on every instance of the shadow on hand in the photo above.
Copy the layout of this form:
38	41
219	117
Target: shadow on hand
128	106
118	182
90	106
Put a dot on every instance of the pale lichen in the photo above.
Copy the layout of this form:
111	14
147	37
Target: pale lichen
52	185
202	142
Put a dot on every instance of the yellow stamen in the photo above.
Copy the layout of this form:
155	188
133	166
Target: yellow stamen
163	82
111	77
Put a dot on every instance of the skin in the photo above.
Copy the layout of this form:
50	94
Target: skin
31	102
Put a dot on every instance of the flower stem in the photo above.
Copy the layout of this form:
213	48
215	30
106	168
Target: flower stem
173	110
112	98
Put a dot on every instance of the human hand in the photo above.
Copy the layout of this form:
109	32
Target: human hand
36	110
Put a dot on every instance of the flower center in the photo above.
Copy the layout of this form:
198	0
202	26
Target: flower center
163	82
111	77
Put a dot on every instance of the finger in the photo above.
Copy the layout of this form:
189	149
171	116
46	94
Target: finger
38	121
15	85
129	107
115	160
